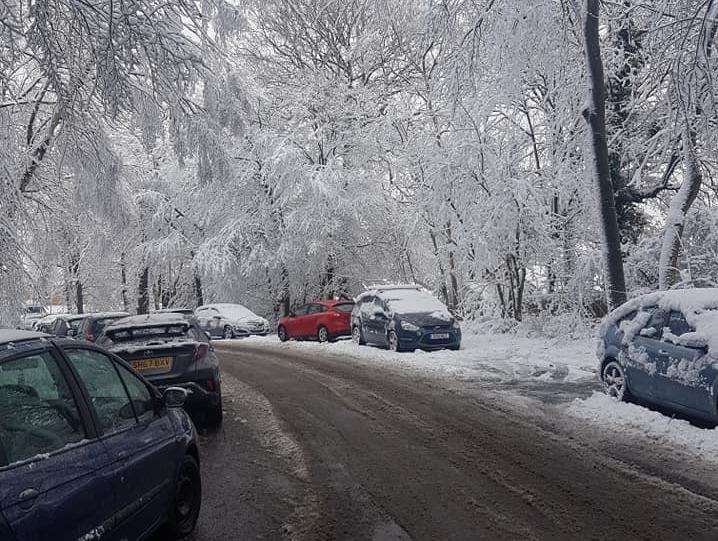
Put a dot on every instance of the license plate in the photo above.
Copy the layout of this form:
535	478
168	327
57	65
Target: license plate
158	364
440	336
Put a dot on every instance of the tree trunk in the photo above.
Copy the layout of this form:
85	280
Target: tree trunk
123	282
143	293
668	272
595	116
198	292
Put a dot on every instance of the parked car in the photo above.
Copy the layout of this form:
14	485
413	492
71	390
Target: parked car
45	324
324	321
170	350
662	348
66	325
224	320
30	315
88	448
185	311
404	318
93	324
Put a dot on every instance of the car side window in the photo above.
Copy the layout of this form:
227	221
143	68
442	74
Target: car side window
38	413
106	390
315	309
654	327
139	394
301	311
677	323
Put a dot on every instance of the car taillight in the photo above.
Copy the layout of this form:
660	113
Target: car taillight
200	353
89	336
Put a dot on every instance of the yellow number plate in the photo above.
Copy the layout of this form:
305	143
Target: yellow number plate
159	364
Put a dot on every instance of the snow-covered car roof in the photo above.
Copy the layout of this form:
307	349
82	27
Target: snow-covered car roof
383	288
14	335
699	306
148	320
100	315
71	317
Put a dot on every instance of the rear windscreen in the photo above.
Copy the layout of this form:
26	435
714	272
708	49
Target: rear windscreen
348	307
140	333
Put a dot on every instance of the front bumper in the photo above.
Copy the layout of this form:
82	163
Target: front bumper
422	339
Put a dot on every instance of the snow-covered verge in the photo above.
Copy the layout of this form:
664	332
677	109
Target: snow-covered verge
634	420
484	357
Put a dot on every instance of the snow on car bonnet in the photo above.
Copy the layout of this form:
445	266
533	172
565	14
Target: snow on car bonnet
699	306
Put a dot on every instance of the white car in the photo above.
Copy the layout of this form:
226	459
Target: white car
227	320
32	313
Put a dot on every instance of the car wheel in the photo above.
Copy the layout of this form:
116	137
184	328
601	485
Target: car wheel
614	381
323	334
187	500
282	333
393	341
228	333
358	336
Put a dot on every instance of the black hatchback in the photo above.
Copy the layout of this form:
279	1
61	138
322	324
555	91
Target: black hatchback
88	448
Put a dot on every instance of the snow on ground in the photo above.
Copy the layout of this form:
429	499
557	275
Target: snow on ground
490	358
633	419
534	368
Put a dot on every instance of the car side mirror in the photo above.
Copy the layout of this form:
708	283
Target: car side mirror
648	332
174	397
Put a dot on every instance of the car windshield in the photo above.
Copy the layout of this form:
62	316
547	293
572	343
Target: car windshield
412	301
236	311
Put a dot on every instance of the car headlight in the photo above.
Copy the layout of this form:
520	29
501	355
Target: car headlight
409	326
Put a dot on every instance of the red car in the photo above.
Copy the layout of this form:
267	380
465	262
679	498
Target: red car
324	321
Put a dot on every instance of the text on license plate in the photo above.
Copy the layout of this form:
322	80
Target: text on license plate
159	364
440	336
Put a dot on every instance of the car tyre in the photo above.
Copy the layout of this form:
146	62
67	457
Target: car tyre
187	500
358	336
323	335
228	332
282	333
614	381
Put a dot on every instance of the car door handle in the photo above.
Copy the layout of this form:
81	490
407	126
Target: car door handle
27	498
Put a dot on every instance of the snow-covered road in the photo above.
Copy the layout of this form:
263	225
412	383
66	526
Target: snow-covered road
339	442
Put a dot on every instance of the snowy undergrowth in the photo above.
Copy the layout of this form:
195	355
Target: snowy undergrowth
632	419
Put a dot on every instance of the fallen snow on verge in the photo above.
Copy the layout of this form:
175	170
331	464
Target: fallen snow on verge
490	358
615	416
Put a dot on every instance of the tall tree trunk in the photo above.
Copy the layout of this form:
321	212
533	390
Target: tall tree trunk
198	292
668	272
123	282
143	293
595	116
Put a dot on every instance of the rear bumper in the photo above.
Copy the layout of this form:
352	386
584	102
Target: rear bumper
199	396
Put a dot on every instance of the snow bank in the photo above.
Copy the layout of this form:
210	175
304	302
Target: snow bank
484	357
632	419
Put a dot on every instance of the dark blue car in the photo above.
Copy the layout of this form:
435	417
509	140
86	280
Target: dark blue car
656	348
404	318
88	449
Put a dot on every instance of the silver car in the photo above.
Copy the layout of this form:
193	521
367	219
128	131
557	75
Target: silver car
225	320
